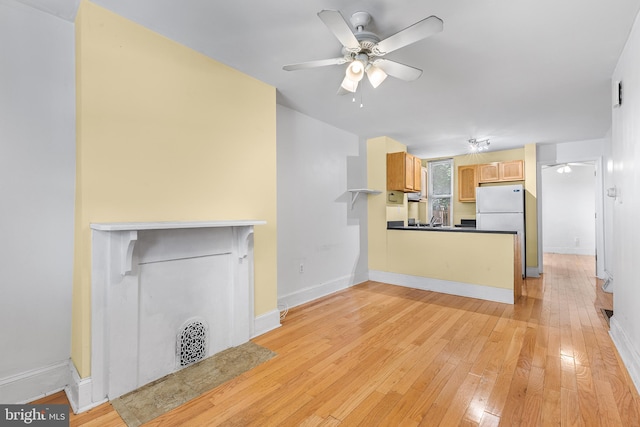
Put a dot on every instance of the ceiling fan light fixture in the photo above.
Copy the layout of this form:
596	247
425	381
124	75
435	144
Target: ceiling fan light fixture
376	75
349	85
355	70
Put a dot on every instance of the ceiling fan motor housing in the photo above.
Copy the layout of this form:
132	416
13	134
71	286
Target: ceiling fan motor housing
367	39
360	20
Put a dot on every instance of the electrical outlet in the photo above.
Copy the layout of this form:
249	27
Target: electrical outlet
301	268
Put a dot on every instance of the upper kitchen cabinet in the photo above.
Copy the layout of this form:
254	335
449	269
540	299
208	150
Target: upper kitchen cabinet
512	171
403	172
501	171
467	183
417	174
489	172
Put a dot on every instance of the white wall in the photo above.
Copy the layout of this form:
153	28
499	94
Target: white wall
37	178
568	207
625	324
317	229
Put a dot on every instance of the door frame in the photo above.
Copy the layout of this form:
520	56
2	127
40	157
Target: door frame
598	208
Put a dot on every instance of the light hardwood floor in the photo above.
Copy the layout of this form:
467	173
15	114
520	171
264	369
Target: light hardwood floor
377	354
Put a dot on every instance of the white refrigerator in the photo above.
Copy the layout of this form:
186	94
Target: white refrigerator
501	208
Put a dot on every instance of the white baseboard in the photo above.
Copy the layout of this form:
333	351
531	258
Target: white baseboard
79	391
488	293
572	250
628	352
34	384
312	293
266	322
533	272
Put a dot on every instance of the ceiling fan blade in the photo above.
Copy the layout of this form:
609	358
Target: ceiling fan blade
314	64
398	70
418	31
339	27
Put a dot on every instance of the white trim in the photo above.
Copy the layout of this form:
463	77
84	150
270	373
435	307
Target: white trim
599	200
129	226
312	293
488	293
431	196
79	391
533	271
34	384
569	250
600	218
266	322
628	353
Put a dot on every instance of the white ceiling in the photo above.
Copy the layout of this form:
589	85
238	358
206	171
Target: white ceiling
514	71
65	9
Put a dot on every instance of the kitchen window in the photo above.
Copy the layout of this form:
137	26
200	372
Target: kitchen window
440	180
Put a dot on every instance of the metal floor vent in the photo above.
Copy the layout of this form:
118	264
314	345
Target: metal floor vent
192	342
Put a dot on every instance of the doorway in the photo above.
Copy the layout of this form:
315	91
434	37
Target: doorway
569	209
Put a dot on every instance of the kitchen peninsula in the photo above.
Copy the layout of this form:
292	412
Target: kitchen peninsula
461	261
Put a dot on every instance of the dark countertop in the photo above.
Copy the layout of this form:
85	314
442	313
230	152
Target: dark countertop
399	225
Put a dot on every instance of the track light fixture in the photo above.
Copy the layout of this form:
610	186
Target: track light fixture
479	144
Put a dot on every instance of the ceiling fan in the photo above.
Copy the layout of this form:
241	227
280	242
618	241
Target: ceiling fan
363	50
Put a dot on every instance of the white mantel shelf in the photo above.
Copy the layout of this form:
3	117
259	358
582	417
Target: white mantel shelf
131	226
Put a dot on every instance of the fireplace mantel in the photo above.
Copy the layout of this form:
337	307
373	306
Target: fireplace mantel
165	225
128	236
126	259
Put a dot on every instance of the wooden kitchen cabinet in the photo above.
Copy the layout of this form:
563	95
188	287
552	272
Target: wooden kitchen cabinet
467	183
501	171
417	174
403	172
512	171
489	172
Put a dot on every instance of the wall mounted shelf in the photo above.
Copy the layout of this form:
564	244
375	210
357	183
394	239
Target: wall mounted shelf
355	192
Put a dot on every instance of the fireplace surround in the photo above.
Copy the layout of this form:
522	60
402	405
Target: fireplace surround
148	281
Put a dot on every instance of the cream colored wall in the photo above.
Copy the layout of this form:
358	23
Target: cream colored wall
531	203
475	258
165	133
378	209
